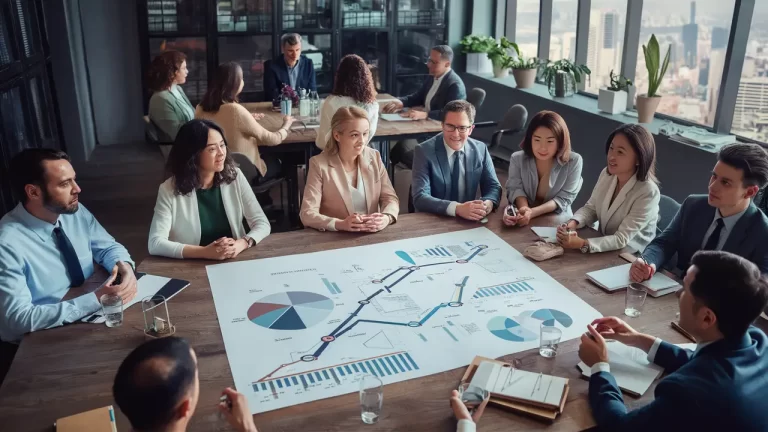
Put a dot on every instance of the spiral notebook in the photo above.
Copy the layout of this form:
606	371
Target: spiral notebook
616	278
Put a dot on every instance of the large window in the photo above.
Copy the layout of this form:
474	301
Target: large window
527	27
372	47
697	33
562	44
251	53
195	50
750	118
306	14
607	19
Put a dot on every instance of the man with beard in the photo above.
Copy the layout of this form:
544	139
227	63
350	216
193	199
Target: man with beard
48	244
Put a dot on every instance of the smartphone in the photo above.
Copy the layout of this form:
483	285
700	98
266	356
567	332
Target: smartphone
511	210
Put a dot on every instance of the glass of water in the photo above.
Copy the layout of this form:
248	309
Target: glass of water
371	398
112	308
549	339
635	300
472	396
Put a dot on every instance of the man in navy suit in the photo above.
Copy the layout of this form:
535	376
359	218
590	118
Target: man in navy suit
725	219
449	168
291	68
722	385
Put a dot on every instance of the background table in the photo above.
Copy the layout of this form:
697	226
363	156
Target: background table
70	369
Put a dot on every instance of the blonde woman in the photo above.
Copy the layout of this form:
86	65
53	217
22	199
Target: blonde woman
348	188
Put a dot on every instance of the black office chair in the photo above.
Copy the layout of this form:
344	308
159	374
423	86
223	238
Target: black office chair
514	121
250	172
668	208
476	97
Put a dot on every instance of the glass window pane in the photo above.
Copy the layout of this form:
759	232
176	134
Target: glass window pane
25	13
750	118
6	49
304	14
317	47
372	47
250	52
563	41
421	12
195	50
40	108
408	84
527	27
364	13
697	33
606	42
186	16
13	127
413	47
244	15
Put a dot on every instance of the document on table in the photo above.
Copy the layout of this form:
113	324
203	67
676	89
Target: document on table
548	234
614	278
519	384
394	117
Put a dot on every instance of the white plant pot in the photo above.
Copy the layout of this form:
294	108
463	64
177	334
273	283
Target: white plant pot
612	102
479	63
500	72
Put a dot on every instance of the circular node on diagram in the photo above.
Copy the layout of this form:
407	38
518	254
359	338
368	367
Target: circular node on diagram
414	324
482	247
455	304
414	268
307	358
327	338
461	261
363	302
376	281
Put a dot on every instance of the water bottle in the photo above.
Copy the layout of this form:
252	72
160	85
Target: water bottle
304	103
286	105
315	105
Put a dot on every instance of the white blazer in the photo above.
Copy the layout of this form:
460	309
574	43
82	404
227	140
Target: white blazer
629	222
176	222
331	104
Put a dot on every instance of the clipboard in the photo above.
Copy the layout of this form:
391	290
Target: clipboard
537	412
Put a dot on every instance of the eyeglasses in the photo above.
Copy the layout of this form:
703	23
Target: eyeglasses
451	128
432	62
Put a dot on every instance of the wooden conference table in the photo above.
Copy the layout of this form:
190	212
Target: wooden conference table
70	369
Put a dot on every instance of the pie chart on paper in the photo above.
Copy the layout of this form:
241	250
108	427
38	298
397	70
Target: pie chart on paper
509	329
549	317
292	310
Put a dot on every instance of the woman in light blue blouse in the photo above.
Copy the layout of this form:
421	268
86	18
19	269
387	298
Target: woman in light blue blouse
545	176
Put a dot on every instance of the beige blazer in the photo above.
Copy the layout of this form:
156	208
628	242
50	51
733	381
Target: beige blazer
629	222
327	195
242	132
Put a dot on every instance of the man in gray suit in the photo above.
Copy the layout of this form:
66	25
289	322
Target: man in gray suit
449	168
725	219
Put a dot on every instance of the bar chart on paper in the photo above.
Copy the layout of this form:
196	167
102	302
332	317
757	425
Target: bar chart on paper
504	289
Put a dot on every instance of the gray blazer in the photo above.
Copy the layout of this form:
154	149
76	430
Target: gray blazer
564	180
167	113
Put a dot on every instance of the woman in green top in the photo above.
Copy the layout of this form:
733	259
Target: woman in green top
200	209
169	107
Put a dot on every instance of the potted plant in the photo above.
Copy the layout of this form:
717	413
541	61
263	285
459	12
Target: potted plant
503	55
562	76
525	69
647	103
476	48
613	99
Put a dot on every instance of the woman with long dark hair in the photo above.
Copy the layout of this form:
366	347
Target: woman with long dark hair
169	107
243	133
625	200
353	86
200	210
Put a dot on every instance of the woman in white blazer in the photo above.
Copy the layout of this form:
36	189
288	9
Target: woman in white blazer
625	200
200	210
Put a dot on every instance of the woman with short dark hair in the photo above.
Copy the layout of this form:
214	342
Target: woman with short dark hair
169	107
200	209
353	86
625	200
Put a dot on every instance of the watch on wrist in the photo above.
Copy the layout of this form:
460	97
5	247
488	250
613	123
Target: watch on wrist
585	247
392	219
249	241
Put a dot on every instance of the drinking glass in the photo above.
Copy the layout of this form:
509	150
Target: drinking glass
633	305
371	398
549	339
472	396
112	308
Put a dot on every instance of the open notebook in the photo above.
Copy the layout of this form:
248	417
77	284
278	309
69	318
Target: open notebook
616	278
519	385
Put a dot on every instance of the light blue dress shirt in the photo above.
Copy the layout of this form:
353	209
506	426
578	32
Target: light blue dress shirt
293	75
33	276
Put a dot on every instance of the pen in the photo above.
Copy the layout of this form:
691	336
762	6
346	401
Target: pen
225	399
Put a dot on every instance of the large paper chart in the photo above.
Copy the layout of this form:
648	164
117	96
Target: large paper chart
305	327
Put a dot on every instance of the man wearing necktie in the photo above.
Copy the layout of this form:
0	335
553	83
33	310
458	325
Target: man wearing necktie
449	168
725	219
48	244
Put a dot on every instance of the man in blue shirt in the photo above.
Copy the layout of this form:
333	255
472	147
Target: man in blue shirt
49	243
722	384
291	68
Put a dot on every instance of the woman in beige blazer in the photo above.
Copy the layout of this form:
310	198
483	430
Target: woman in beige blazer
625	200
243	133
348	187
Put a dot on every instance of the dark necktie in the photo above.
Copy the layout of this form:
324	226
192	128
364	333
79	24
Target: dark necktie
70	257
714	238
457	161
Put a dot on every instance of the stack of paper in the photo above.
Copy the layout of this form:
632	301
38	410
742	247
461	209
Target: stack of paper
520	385
615	278
548	234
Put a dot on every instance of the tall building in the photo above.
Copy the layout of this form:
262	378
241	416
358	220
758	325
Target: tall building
719	38
751	108
716	65
603	54
690	40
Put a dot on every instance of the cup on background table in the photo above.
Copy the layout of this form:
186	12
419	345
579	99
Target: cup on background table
549	339
112	308
371	398
633	305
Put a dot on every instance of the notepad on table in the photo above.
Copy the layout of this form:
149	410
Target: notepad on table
98	420
519	385
394	117
548	234
615	278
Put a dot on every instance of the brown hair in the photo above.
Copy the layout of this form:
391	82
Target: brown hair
223	88
643	144
751	159
459	106
163	69
342	115
555	123
354	79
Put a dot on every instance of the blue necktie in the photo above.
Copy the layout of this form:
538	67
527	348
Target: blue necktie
457	161
714	238
70	257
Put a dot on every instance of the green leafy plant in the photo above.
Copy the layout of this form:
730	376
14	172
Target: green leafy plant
652	61
619	82
522	62
499	53
564	65
476	44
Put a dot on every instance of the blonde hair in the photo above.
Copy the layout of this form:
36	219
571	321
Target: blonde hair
343	115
